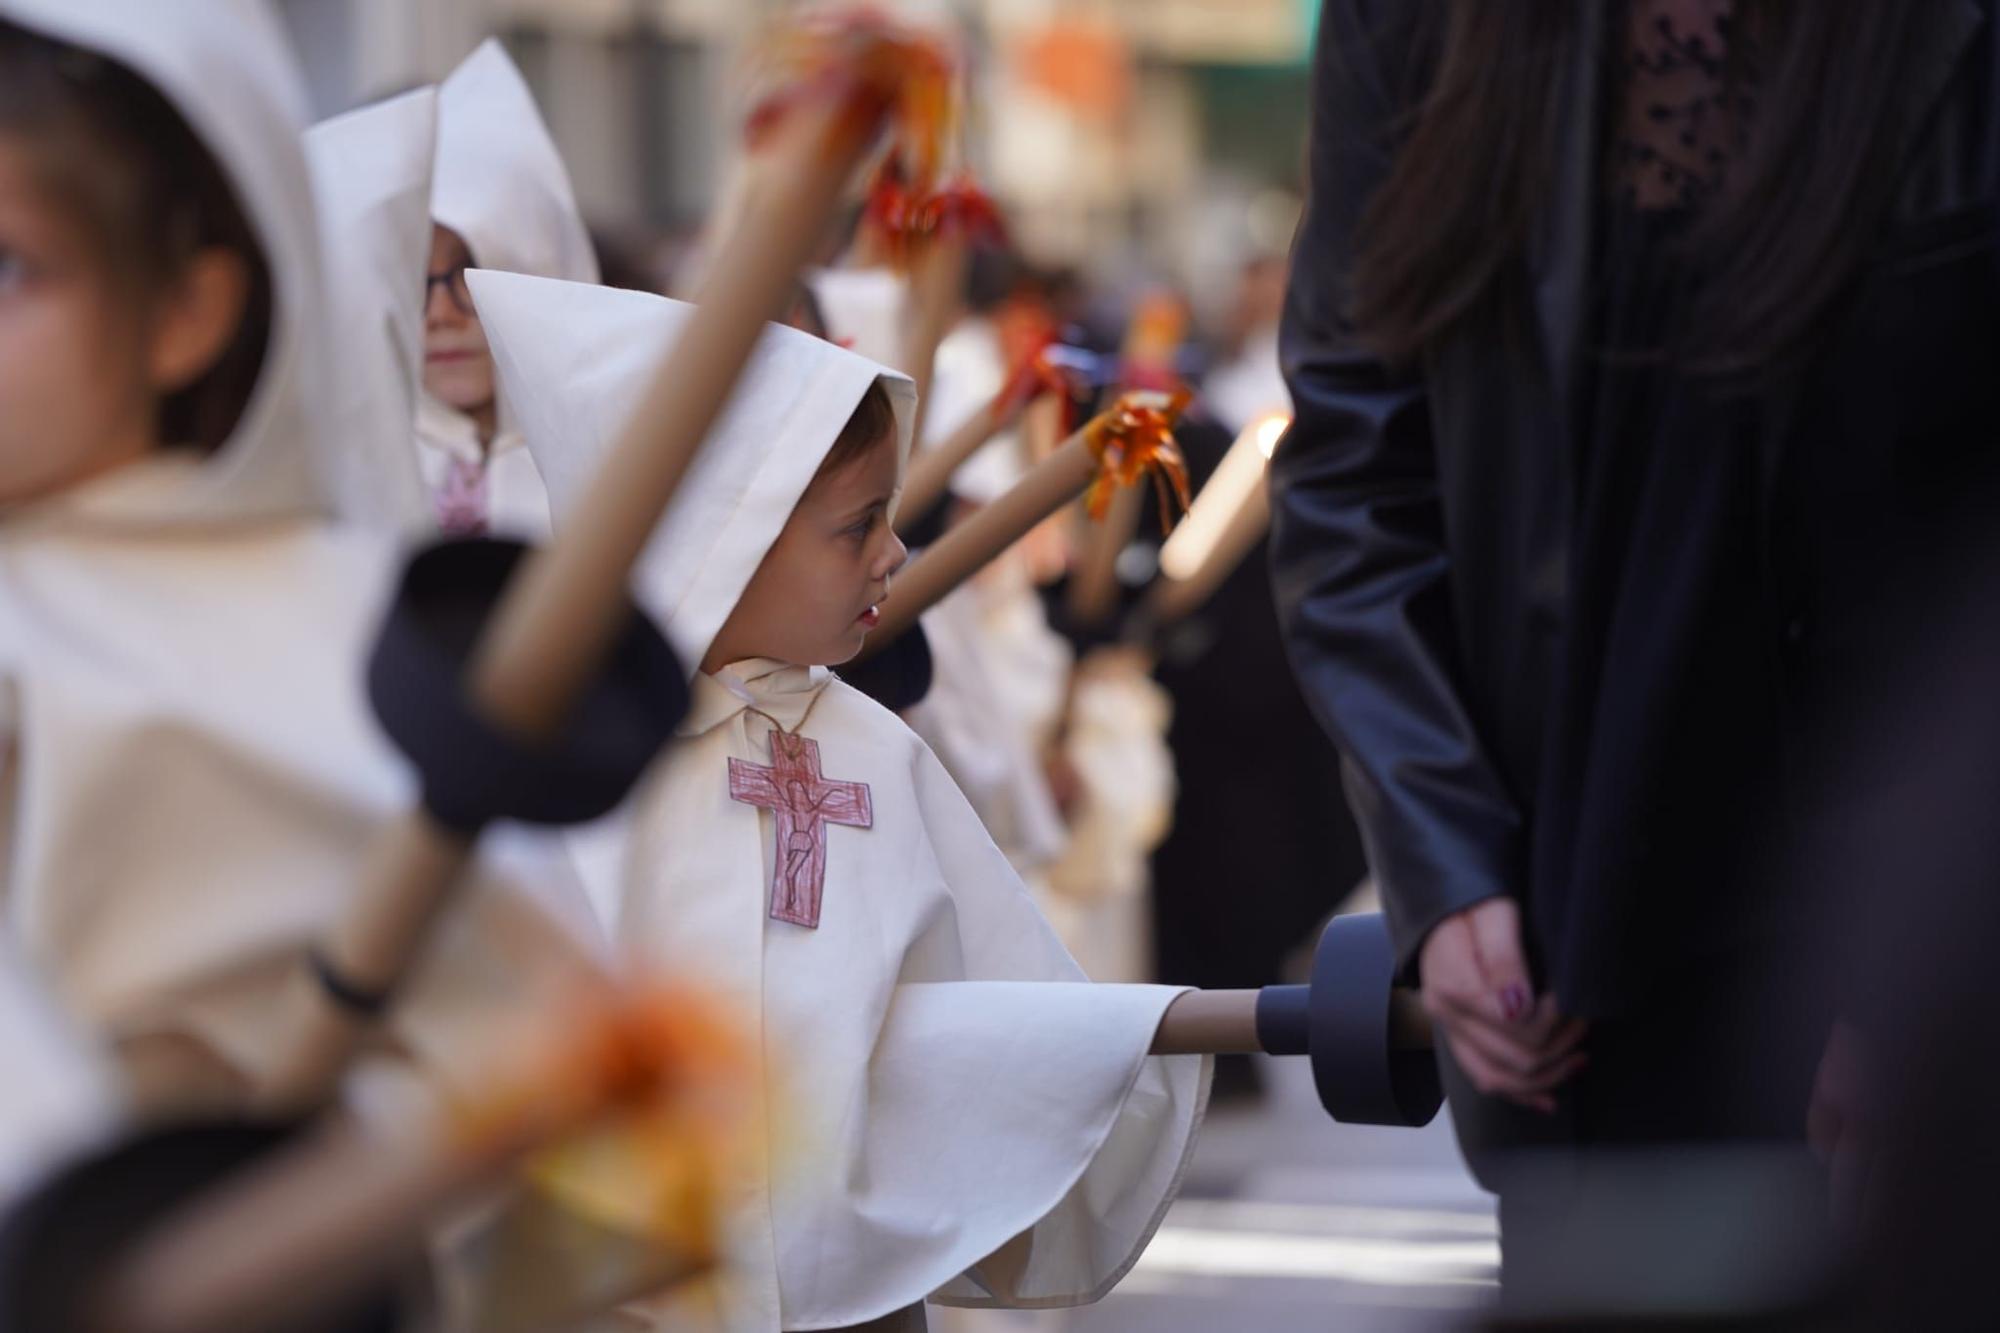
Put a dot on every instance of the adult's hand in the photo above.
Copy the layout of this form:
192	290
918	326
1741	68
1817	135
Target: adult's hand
1476	988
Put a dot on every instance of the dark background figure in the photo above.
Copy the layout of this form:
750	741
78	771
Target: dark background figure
1629	341
1262	845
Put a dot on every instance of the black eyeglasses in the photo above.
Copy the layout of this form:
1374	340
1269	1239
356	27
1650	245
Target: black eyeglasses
453	282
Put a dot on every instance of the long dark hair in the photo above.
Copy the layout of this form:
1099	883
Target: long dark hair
1777	245
121	160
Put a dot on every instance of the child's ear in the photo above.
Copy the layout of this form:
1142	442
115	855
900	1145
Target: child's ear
197	319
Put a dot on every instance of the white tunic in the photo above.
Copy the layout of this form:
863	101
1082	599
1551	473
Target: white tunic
960	1114
516	501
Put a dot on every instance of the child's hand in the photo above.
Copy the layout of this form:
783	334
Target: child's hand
1476	988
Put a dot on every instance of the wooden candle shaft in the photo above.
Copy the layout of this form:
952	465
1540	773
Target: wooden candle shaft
321	1217
971	545
559	616
931	471
1093	588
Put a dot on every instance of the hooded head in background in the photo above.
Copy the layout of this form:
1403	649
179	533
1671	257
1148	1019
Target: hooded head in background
501	199
225	71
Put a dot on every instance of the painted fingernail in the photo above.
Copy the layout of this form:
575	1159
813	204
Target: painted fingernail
1514	1001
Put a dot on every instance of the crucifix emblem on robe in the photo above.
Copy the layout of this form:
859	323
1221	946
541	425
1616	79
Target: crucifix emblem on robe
804	803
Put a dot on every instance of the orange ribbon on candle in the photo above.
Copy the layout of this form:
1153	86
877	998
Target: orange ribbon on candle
1135	439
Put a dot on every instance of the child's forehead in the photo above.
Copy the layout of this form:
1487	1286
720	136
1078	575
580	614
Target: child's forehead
864	477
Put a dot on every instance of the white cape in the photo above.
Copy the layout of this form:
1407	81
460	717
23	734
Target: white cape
960	1114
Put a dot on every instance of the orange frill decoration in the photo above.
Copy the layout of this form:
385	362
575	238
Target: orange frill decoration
656	1092
1132	440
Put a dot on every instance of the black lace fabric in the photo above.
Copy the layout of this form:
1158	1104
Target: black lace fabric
1684	107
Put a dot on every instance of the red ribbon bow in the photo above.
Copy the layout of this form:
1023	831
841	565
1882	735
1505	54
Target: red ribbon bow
1038	374
908	218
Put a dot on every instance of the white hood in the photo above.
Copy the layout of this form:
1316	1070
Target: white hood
500	182
224	65
574	361
371	172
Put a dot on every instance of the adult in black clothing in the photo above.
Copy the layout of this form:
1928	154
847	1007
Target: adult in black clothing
1627	340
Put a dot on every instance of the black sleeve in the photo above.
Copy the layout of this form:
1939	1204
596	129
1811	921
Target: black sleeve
1357	548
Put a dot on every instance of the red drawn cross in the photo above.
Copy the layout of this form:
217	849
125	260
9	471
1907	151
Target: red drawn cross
805	803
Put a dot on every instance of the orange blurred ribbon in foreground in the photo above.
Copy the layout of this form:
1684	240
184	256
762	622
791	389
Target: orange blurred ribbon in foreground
1134	439
668	1083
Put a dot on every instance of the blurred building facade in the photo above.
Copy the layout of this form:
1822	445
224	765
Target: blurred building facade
1135	139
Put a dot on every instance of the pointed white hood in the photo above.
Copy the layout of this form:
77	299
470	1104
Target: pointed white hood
225	67
371	172
574	361
500	182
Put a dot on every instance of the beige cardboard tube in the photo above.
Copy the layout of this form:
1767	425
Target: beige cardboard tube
1172	598
1209	1022
1093	587
970	546
561	612
931	470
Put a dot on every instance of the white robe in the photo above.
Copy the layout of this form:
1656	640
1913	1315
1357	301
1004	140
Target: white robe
960	1115
966	721
517	501
199	777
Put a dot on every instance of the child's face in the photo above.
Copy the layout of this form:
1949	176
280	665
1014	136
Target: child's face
74	396
814	598
458	367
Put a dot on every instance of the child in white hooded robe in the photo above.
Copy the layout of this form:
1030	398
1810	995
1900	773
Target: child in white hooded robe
501	199
961	1117
192	776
